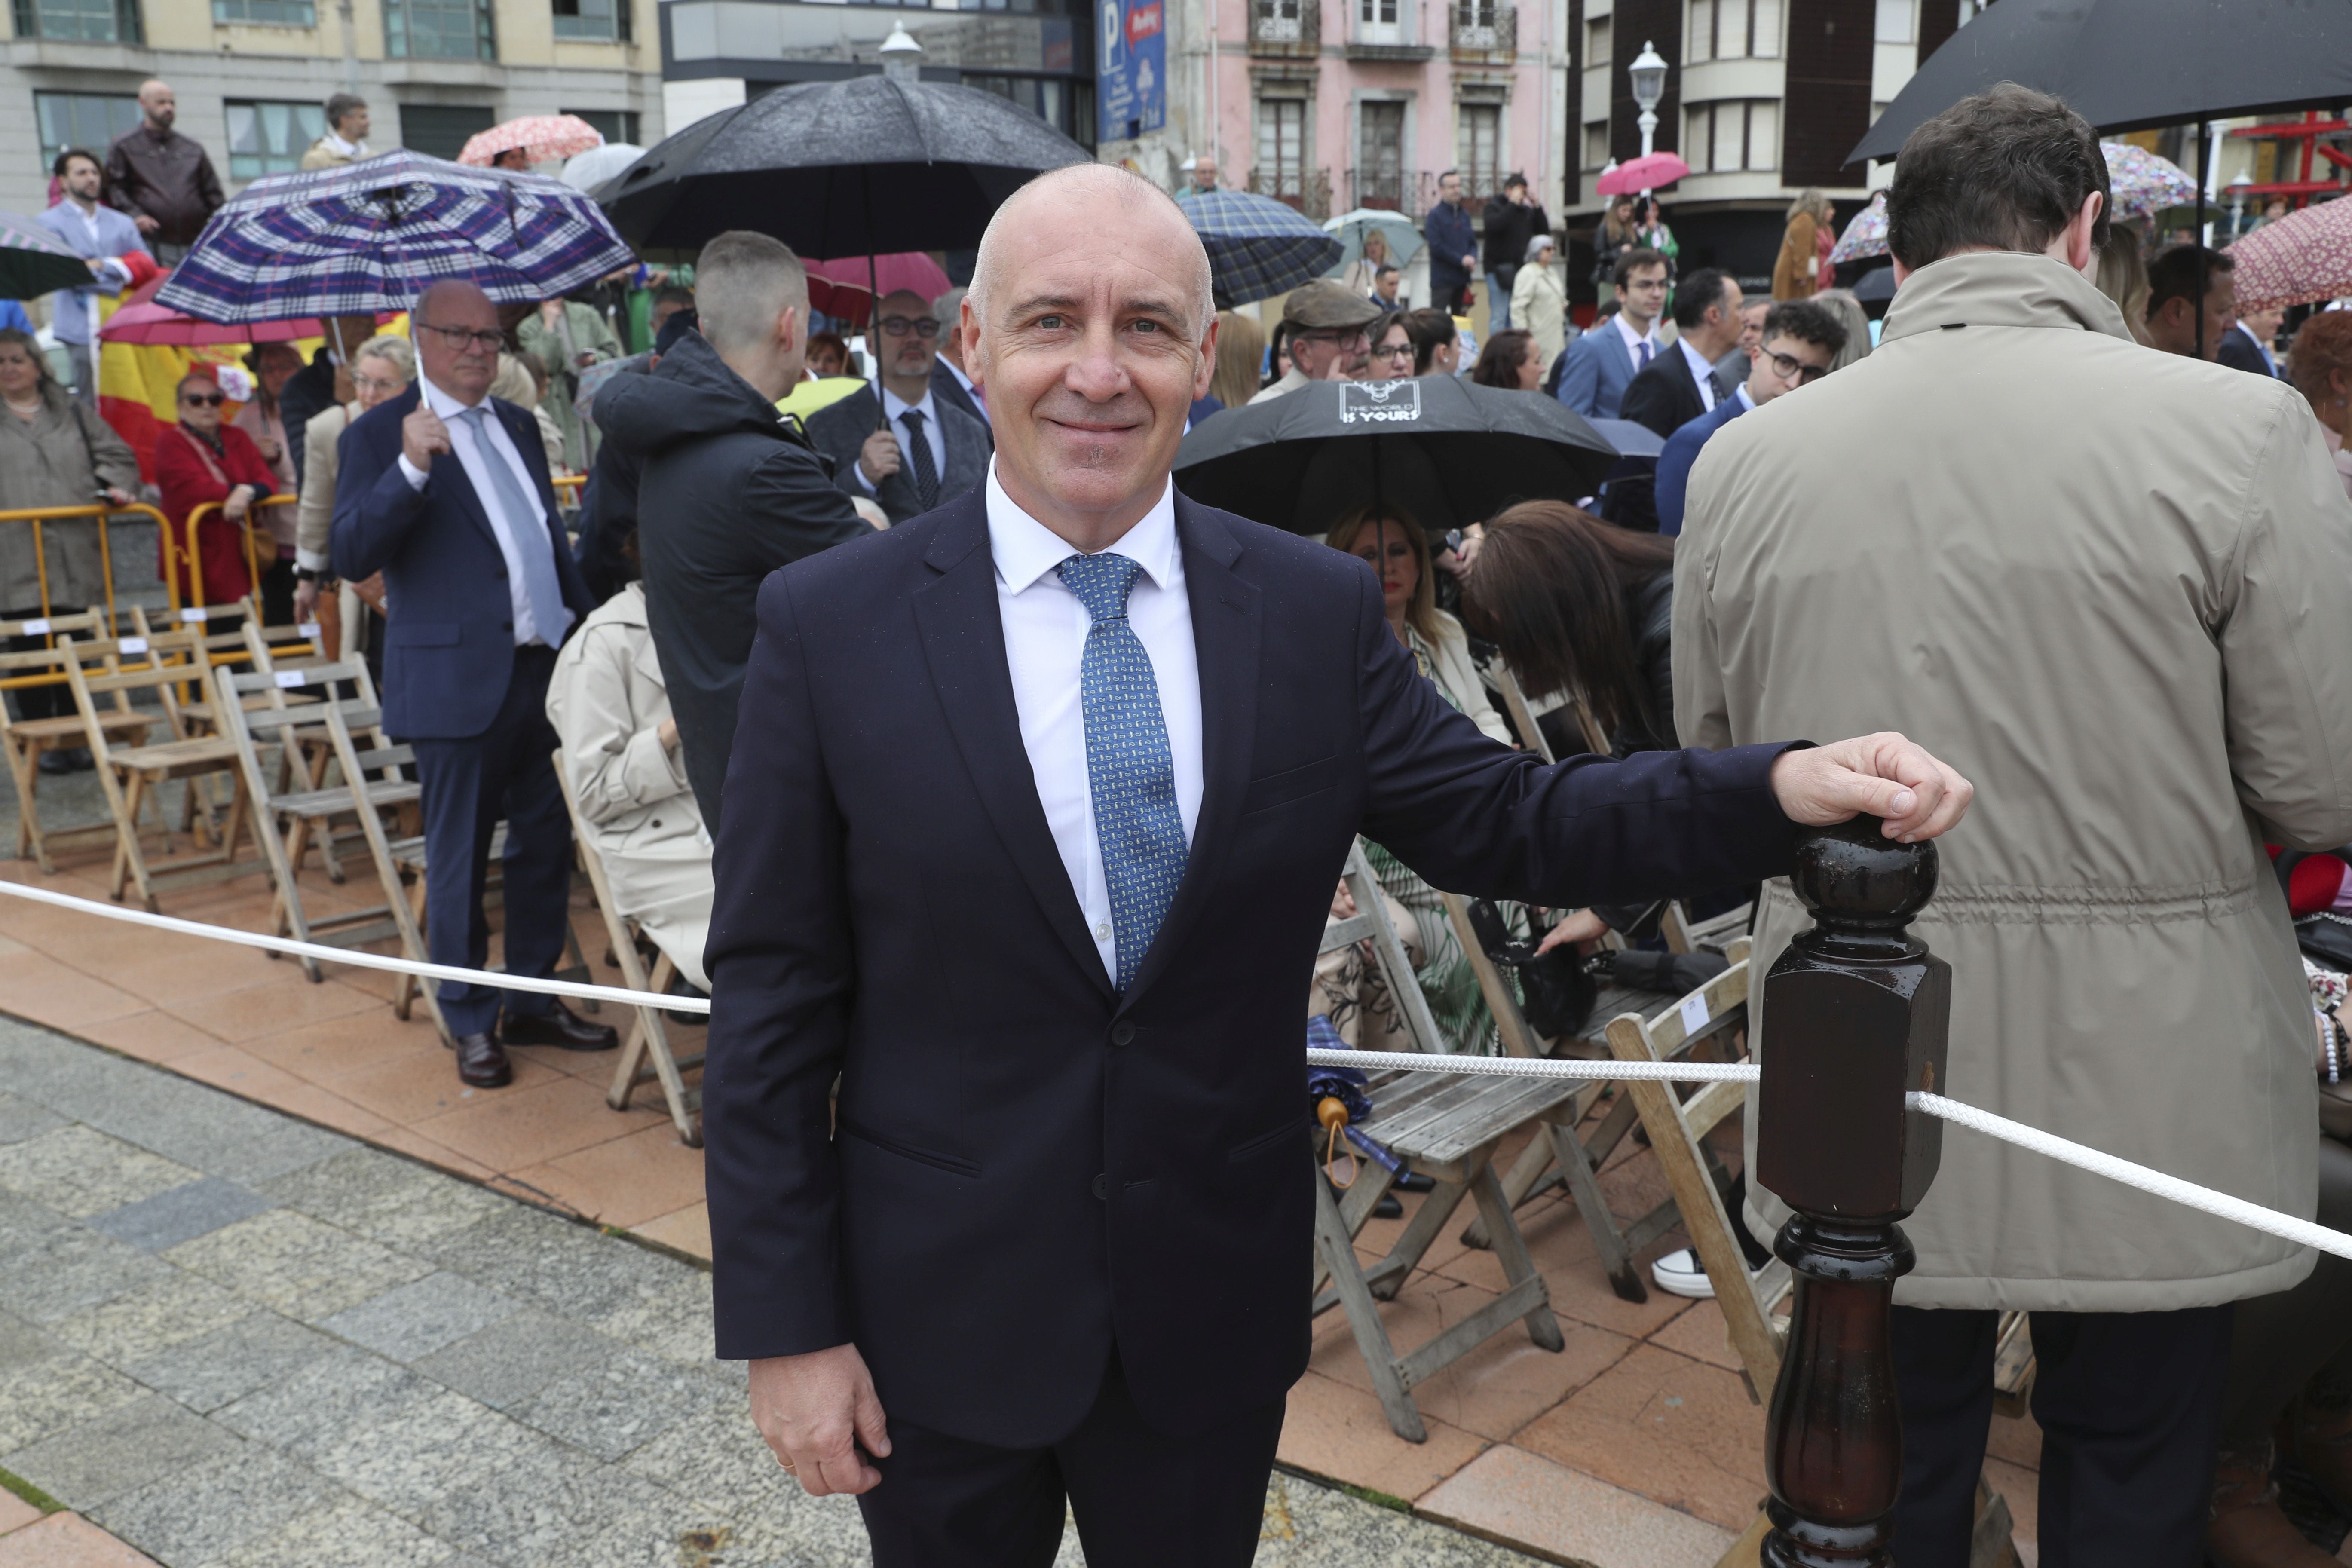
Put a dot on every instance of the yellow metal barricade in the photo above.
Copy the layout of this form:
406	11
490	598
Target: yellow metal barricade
254	534
34	517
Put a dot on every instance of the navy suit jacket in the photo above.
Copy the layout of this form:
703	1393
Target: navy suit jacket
1596	371
1030	1168
1681	451
449	640
947	389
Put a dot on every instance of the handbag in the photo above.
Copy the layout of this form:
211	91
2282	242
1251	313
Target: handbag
1556	990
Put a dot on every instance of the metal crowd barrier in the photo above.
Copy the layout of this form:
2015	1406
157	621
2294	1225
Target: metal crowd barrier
103	513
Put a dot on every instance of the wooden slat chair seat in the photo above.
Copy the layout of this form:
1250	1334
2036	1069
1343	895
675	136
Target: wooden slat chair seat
1445	1127
131	774
306	752
26	739
258	707
646	1055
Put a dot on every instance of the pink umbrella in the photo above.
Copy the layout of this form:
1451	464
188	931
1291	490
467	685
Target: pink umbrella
2302	258
1644	174
142	320
542	137
839	287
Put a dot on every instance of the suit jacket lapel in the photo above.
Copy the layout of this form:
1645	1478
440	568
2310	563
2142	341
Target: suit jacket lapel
1227	618
963	633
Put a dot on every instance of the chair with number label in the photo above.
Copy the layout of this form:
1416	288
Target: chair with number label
27	740
133	775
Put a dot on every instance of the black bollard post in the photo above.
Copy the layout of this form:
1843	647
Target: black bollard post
1855	1015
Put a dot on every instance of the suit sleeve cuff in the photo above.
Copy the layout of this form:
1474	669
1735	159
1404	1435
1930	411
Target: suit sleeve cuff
412	473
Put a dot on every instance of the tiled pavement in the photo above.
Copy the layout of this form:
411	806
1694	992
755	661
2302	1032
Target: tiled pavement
1636	1446
233	1340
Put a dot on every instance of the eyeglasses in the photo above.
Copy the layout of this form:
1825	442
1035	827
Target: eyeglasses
378	382
462	337
1394	351
199	400
1787	368
899	326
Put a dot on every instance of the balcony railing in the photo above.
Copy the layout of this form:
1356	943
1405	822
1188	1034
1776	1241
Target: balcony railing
1286	28
1483	33
1309	191
1413	191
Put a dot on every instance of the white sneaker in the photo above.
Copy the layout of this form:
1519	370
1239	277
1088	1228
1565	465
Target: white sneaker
1679	1274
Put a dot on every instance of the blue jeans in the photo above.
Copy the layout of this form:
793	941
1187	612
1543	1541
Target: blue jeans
1498	305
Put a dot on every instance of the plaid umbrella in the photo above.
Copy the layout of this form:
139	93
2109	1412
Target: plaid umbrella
2144	185
1866	235
2302	259
1257	246
35	261
542	137
369	236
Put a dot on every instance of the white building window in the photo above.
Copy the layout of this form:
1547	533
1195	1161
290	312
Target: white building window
1478	149
1282	147
1376	21
1597	42
1380	155
1898	21
1732	135
1733	30
1596	143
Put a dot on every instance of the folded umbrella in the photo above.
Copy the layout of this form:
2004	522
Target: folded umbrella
369	236
542	138
1258	248
2300	259
2128	64
1443	450
32	261
1646	172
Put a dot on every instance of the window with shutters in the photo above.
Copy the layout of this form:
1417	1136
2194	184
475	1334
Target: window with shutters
1282	148
1478	149
1732	135
1734	30
1379	155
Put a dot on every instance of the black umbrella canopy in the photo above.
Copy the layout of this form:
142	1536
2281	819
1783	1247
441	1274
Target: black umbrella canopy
870	164
1445	451
2127	65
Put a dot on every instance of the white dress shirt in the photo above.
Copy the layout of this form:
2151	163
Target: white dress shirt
472	458
894	408
1702	370
1045	631
1633	341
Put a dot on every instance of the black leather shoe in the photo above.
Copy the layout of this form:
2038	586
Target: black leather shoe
482	1062
83	762
562	1028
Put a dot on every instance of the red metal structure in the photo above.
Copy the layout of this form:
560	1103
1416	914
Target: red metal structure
2301	142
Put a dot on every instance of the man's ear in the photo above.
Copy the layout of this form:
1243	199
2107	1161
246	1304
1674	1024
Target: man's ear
788	329
1207	370
968	331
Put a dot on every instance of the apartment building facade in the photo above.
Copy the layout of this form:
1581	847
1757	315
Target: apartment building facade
252	76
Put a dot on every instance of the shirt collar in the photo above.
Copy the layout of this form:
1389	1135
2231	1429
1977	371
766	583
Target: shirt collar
894	406
1746	401
348	149
1632	337
1701	366
442	401
961	380
1025	550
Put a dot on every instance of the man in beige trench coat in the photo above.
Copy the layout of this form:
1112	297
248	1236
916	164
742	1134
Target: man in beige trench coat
2115	588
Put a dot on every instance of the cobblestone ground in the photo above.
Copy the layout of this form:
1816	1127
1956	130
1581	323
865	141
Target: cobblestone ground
238	1340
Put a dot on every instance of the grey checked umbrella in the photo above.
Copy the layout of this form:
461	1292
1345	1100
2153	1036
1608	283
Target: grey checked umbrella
1258	248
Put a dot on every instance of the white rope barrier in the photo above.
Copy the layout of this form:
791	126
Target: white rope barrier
2302	1231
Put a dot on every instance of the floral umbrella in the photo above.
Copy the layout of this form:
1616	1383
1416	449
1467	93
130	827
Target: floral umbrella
542	138
2144	185
1866	235
2302	258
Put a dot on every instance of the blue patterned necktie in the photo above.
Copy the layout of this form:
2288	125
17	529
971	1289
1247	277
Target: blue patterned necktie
1128	766
542	592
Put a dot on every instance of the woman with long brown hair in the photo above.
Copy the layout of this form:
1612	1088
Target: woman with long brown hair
1241	357
1580	607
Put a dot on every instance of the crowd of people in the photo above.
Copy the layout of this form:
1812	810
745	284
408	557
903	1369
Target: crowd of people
745	746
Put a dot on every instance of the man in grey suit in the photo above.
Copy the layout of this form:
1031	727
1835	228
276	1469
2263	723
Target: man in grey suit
929	452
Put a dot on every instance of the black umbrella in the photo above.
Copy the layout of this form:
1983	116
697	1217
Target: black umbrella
2126	65
873	164
1446	452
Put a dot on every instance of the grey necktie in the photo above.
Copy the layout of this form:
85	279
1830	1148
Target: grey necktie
531	541
918	454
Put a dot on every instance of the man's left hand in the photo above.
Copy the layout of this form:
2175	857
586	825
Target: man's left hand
1884	775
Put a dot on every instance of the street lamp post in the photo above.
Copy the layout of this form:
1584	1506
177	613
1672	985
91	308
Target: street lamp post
1649	73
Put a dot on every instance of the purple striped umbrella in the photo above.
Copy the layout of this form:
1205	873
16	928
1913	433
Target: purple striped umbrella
369	236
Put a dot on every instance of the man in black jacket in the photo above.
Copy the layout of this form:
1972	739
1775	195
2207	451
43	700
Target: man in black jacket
1681	383
730	490
1512	220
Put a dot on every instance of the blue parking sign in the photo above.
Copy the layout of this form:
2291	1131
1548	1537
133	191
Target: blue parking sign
1132	69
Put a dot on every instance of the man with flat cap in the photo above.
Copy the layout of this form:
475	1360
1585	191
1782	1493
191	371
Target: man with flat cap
1329	332
1032	820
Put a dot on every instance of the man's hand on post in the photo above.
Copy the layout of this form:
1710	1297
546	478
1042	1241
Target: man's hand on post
421	434
879	459
817	1411
1883	775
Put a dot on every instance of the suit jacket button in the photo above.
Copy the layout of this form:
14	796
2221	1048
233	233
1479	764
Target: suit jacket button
1122	1032
1102	1186
506	626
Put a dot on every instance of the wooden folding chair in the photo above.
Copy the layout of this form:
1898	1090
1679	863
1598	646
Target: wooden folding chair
1679	1128
255	707
131	774
26	739
647	1038
1448	1129
309	756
